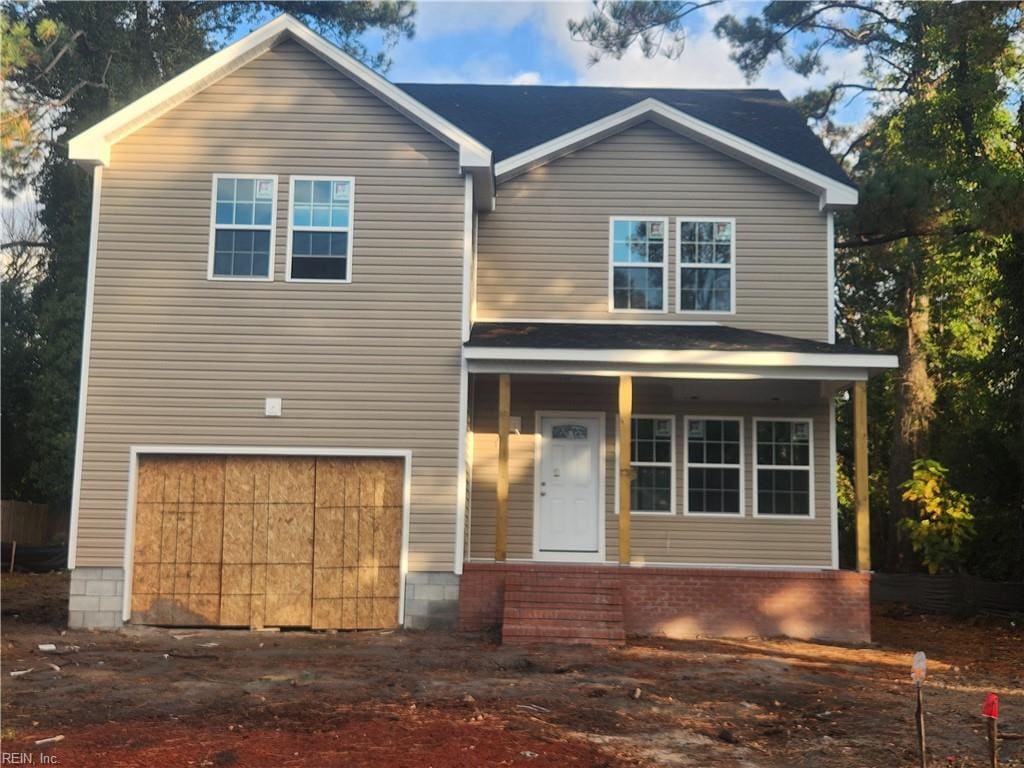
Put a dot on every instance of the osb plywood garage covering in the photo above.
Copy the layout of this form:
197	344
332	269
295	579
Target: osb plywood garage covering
267	541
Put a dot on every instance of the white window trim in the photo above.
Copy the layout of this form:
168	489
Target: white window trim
680	220
252	227
810	466
291	227
675	484
686	468
664	266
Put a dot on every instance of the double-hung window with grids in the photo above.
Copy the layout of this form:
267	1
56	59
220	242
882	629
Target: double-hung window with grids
320	229
638	264
714	466
242	236
652	448
783	467
707	265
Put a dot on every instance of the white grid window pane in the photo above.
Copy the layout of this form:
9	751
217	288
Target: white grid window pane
320	229
243	220
783	454
651	457
713	474
705	266
638	288
638	259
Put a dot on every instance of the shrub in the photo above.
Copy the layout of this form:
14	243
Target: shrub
944	522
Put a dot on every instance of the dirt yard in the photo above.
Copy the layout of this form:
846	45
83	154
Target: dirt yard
157	697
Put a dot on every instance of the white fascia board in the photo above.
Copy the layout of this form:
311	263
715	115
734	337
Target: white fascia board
832	193
840	378
92	147
695	357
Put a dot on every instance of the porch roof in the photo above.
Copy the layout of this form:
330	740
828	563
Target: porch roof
665	349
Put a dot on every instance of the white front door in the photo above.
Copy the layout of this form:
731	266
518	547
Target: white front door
568	487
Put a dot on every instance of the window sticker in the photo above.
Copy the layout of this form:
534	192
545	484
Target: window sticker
264	189
340	190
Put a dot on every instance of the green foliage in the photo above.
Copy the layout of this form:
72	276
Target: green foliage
944	523
615	26
27	52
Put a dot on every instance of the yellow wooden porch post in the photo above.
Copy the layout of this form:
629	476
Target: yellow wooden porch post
501	516
860	474
625	464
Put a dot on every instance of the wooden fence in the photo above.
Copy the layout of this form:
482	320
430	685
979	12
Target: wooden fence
949	593
32	524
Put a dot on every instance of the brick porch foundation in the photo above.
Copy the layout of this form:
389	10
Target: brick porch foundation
687	602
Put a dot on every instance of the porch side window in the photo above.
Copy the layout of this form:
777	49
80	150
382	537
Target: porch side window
242	237
320	229
638	264
783	468
714	469
652	452
707	265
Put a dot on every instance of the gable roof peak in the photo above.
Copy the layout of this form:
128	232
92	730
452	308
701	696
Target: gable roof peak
92	147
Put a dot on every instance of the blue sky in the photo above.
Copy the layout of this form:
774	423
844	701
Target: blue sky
528	43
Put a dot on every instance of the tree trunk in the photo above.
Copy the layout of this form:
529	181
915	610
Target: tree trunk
915	401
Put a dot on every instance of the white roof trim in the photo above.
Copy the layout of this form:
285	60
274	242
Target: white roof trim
701	357
837	376
831	192
92	147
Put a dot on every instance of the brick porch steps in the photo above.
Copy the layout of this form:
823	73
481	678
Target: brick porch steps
564	609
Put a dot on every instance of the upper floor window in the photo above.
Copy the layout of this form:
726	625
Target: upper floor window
714	466
707	265
652	453
638	264
782	468
320	229
242	236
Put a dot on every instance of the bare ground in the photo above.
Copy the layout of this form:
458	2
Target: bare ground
158	697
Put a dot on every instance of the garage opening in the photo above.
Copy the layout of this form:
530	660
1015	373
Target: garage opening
264	541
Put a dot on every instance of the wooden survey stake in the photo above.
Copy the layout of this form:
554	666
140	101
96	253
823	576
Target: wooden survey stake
918	672
990	711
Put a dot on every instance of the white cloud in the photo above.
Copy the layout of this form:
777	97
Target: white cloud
437	18
526	78
704	62
492	69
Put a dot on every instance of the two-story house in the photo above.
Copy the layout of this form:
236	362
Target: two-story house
360	354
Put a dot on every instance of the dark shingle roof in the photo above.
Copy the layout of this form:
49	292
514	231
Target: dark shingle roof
513	118
661	336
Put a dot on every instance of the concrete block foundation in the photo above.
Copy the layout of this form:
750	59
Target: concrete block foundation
431	600
96	598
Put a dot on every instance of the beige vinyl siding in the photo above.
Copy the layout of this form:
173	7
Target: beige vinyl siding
181	360
543	250
656	538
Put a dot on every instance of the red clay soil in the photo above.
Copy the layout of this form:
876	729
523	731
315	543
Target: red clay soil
161	698
398	738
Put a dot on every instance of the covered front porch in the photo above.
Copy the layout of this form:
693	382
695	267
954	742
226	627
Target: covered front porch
723	494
